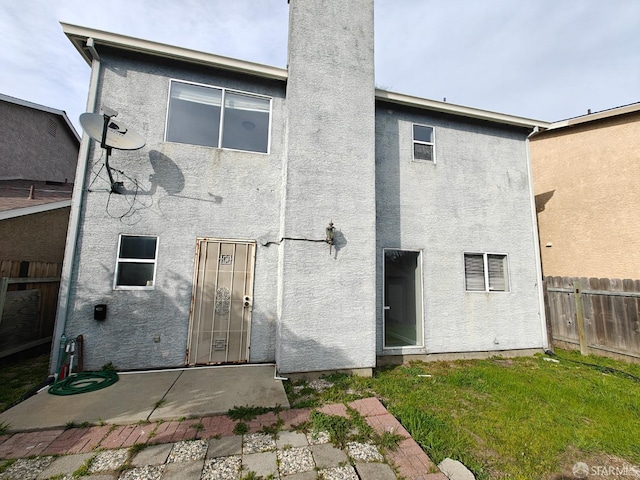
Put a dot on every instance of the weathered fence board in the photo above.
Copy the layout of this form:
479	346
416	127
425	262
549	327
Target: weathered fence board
609	309
20	318
16	280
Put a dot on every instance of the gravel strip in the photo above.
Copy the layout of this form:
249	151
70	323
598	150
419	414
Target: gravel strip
222	468
338	473
26	468
108	460
295	460
317	438
149	472
364	451
258	442
188	450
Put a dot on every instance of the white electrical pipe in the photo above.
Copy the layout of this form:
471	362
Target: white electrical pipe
74	217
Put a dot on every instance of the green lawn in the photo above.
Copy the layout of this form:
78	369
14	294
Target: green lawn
20	376
522	418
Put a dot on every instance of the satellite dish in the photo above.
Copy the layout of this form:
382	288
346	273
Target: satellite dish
118	135
111	134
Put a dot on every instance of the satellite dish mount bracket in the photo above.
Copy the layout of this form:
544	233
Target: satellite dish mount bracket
107	115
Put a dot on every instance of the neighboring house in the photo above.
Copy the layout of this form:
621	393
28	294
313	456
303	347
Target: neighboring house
586	172
38	158
214	249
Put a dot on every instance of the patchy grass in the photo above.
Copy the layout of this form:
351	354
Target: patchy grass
518	418
240	428
246	413
19	377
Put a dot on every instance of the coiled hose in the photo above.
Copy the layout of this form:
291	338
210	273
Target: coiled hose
84	382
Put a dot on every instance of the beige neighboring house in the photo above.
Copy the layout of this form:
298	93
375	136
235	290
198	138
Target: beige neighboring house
586	173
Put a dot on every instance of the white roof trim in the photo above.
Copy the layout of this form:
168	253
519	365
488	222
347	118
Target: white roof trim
79	36
445	107
612	112
42	108
44	207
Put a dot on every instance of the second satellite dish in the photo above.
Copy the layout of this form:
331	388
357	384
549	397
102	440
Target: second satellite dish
118	136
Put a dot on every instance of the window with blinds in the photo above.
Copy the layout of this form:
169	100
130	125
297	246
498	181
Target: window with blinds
218	117
486	272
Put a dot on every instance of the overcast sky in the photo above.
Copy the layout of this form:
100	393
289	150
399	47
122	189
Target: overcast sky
542	59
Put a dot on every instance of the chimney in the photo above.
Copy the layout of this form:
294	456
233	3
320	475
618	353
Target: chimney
329	176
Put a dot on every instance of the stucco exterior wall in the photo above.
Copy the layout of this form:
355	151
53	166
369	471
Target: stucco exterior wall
32	148
474	198
327	310
178	192
587	197
39	237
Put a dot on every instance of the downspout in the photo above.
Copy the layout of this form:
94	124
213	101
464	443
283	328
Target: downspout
74	217
536	245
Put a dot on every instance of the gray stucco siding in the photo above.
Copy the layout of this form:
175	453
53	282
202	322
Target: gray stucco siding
475	198
327	306
183	192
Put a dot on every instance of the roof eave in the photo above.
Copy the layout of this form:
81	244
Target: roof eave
79	36
592	117
460	110
40	208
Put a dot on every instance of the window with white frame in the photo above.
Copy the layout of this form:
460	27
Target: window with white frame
423	143
136	264
486	272
218	117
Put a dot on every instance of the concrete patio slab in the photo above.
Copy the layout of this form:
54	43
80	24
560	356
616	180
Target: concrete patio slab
201	392
131	399
190	392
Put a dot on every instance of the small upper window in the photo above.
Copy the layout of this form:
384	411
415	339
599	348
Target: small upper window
486	272
217	117
423	144
136	265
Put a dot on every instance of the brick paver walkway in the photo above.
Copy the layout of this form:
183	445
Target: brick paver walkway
409	459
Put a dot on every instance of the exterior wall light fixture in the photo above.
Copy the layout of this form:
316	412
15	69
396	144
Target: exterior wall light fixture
331	234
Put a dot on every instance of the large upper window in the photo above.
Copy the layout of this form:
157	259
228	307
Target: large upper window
218	117
423	143
136	264
485	272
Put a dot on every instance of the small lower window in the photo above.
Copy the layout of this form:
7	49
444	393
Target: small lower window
423	143
486	272
136	264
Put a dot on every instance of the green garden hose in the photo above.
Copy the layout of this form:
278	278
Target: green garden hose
84	382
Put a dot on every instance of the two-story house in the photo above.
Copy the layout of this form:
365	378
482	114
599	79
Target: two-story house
298	216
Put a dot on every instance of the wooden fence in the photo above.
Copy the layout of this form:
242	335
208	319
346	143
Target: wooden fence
28	302
596	315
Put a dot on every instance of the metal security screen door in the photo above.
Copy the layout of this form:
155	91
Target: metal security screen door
222	302
402	298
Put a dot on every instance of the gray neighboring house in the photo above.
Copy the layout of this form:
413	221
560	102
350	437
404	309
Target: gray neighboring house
214	250
38	158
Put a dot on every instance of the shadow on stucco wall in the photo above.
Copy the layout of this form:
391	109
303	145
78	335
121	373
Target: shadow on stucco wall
166	174
299	353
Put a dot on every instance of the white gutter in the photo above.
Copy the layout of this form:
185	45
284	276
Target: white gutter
536	246
45	207
612	112
460	110
74	221
78	35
